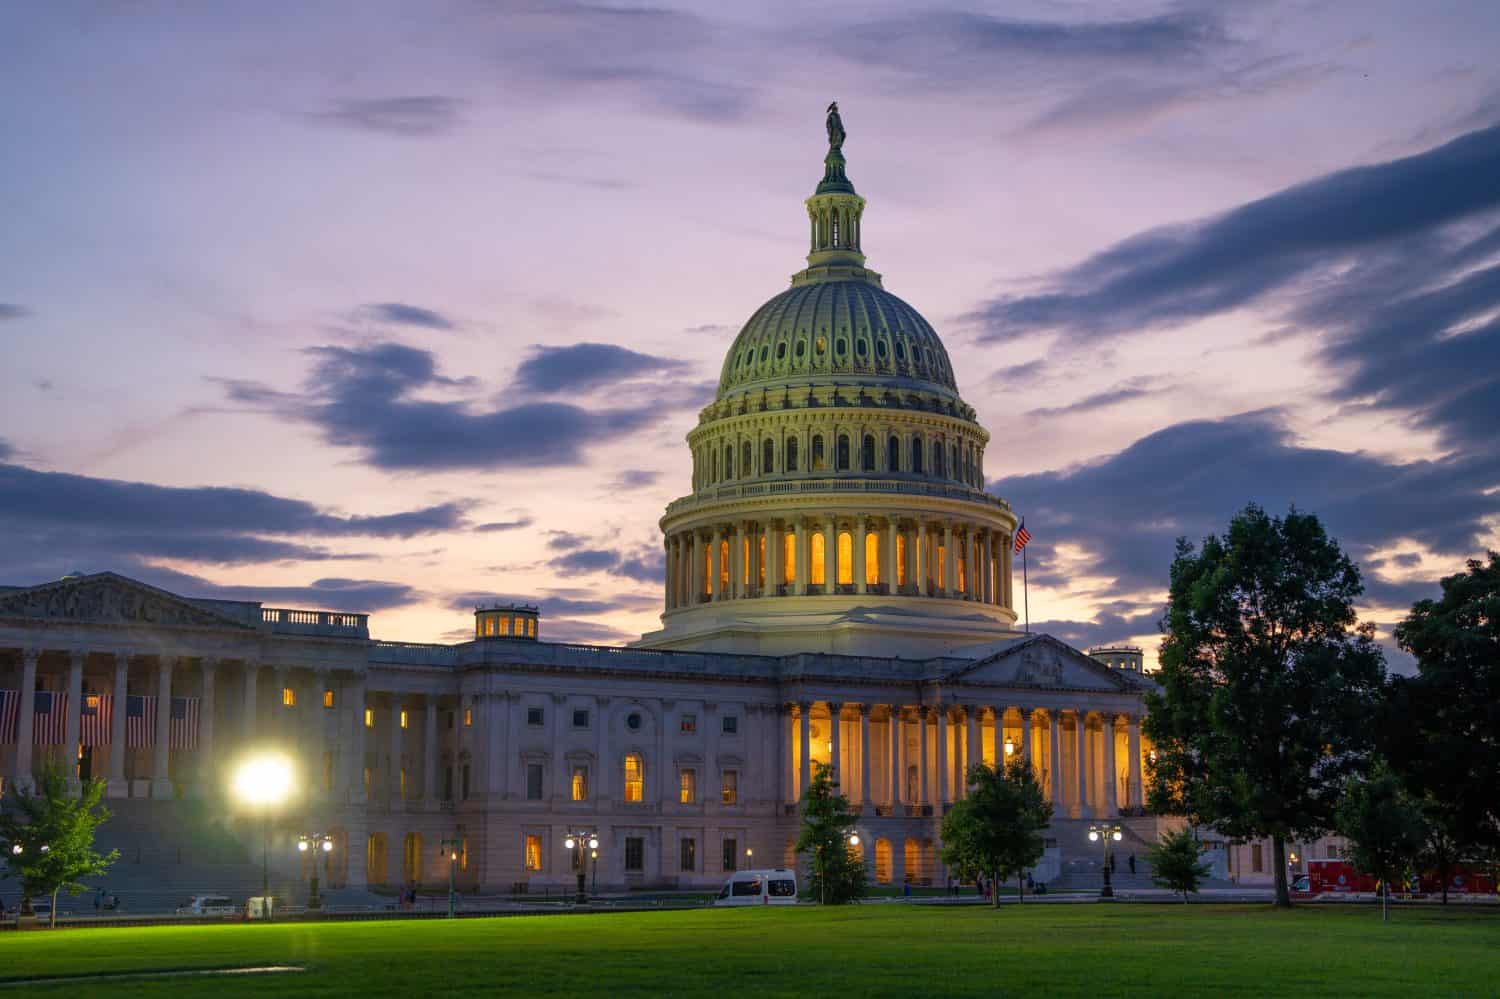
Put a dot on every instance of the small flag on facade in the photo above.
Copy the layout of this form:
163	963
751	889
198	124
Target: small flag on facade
50	718
140	720
182	728
1023	536
95	719
10	715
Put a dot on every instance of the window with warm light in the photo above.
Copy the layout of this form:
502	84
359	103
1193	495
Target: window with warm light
635	783
288	697
872	558
846	559
900	560
402	785
817	560
729	793
403	718
463	854
327	698
533	852
468	717
789	557
580	784
688	786
531	628
369	717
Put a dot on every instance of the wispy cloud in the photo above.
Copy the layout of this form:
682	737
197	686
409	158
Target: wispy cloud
408	117
402	314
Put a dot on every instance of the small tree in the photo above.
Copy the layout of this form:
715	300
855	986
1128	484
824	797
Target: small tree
1177	863
996	830
838	872
1384	828
47	837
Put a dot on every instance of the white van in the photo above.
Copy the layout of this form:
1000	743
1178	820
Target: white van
778	887
208	905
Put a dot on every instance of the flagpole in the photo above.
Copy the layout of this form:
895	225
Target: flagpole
1025	594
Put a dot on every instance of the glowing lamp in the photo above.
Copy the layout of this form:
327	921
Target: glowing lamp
1117	835
328	846
1093	835
263	780
1010	748
593	844
854	839
569	843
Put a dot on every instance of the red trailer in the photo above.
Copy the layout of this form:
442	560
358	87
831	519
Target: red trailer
1340	879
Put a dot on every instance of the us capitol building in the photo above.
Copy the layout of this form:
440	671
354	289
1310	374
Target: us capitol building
838	589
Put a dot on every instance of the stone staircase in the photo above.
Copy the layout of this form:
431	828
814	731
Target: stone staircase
1082	861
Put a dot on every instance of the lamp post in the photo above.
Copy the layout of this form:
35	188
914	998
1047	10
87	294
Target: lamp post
578	842
264	781
17	850
321	844
1106	834
450	848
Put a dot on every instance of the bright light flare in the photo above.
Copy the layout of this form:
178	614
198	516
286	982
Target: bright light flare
264	780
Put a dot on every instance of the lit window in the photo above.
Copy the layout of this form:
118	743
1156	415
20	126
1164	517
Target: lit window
403	718
580	784
327	698
369	717
760	561
635	783
723	566
900	559
688	724
817	560
288	697
730	792
533	853
789	558
403	783
463	854
688	781
872	558
92	701
468	717
531	628
846	559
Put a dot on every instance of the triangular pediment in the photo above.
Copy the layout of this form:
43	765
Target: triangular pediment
1040	661
109	598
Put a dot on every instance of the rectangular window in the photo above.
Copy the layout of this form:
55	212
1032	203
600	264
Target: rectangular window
729	724
729	793
1257	862
327	698
288	697
1333	851
402	786
404	719
688	781
688	850
447	783
468	717
465	781
580	717
533	853
688	724
369	717
534	716
533	782
635	781
327	771
731	855
463	853
580	783
448	720
635	853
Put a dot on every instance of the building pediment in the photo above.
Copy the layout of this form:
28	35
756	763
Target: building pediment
1039	661
107	598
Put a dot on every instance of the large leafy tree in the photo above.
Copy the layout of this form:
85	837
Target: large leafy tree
1177	863
47	836
837	870
1384	827
1267	682
996	830
1445	721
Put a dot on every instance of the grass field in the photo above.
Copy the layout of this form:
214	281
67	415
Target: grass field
891	950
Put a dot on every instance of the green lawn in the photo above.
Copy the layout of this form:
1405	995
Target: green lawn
878	949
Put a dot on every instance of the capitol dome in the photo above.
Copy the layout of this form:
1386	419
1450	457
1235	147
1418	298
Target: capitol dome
838	500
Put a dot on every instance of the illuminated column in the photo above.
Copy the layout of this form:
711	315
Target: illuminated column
206	759
1082	757
830	554
117	698
26	716
801	550
920	559
864	759
888	557
922	755
1137	787
430	754
945	770
950	561
1111	786
1026	753
1054	758
716	564
74	718
737	564
894	723
393	777
804	710
835	739
354	782
973	752
695	574
774	568
671	573
857	549
161	782
987	559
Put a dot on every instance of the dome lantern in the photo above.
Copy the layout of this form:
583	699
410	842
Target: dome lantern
835	213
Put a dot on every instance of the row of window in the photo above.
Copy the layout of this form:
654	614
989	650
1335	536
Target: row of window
687	724
404	717
922	357
635	854
714	464
934	567
633	776
504	626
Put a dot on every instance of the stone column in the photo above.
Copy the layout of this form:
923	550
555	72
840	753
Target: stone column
117	788
835	736
671	573
888	557
26	716
950	561
804	708
1054	757
1137	787
1026	753
784	753
710	791
1084	810
830	554
695	555
986	560
161	780
75	718
774	547
973	750
802	549
316	732
945	768
1007	564
247	707
865	761
356	783
893	723
1111	783
716	564
976	570
600	791
857	549
430	755
393	777
926	799
920	558
206	708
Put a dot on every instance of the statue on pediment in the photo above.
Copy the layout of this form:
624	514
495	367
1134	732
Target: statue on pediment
1039	667
105	600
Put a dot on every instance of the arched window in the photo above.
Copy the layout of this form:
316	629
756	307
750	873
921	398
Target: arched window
937	458
846	559
791	454
916	455
818	462
900	559
817	559
376	857
635	778
767	457
843	452
746	469
872	558
883	861
835	228
789	557
723	567
953	461
867	454
728	462
411	858
893	454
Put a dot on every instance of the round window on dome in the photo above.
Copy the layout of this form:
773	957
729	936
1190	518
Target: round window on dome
801	348
781	350
633	721
821	345
900	351
841	346
861	347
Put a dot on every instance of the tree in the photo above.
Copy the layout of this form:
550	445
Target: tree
1444	722
996	830
1177	863
47	837
1383	826
1267	683
838	871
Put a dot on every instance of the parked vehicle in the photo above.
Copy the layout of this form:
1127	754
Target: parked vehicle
773	887
208	905
1339	878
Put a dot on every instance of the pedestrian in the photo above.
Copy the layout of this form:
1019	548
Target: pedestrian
98	899
1131	862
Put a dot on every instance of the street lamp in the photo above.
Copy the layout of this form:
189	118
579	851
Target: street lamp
317	843
450	848
16	850
1106	834
578	842
264	781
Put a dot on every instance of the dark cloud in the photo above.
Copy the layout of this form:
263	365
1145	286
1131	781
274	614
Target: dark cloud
584	366
367	398
6	449
353	596
1392	266
550	606
649	568
586	560
635	478
1018	375
1134	388
1127	509
503	525
402	314
584	632
409	117
565	540
9	310
1113	623
644	565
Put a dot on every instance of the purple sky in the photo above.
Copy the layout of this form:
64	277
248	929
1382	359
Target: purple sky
399	306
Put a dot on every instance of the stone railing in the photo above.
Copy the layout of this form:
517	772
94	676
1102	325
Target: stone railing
850	485
285	621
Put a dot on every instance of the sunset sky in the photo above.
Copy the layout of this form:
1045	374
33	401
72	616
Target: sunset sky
397	307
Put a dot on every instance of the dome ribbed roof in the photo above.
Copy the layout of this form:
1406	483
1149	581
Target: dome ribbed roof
833	329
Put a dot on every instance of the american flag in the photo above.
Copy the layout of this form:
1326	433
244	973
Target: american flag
182	728
10	714
1023	536
140	720
50	719
96	717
